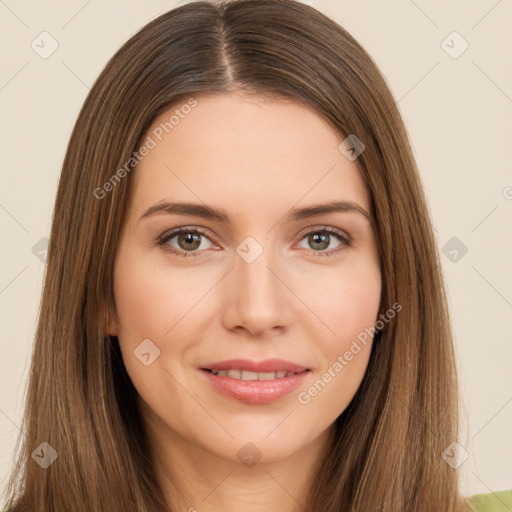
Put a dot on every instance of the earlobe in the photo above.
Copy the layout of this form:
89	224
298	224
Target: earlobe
110	322
112	326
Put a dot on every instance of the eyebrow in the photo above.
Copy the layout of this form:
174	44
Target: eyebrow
207	212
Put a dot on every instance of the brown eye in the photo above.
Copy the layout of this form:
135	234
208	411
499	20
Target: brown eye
322	242
189	242
319	241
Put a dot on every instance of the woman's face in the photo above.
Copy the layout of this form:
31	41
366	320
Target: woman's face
257	282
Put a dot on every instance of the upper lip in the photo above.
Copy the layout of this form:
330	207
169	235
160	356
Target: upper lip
265	366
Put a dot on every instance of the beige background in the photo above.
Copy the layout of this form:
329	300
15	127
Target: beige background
459	115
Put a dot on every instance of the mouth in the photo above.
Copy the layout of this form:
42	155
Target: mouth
254	382
280	367
249	376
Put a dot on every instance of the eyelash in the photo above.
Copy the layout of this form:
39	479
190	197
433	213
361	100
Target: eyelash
163	239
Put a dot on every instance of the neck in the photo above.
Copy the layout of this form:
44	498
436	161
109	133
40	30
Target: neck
195	479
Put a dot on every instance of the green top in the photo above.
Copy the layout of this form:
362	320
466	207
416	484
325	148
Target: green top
496	502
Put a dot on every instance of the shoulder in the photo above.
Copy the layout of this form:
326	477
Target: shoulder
495	502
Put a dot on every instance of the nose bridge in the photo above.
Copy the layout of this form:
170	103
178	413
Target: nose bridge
257	297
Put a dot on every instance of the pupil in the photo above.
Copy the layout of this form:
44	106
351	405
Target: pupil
190	238
317	240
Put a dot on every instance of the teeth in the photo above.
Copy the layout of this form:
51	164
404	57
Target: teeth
248	375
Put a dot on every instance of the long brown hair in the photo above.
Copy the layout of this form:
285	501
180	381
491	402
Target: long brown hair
387	452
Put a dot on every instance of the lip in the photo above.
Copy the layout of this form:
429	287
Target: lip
267	365
255	391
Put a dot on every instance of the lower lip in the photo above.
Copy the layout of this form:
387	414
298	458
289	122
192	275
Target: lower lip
256	391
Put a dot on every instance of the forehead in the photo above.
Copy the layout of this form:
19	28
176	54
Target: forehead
245	151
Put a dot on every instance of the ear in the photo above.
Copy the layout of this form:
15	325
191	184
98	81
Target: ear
112	326
110	321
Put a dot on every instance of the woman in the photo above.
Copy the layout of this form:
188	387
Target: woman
195	349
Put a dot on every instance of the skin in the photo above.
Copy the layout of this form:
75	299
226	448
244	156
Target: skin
256	159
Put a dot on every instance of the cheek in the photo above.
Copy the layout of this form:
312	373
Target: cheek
356	307
152	301
345	300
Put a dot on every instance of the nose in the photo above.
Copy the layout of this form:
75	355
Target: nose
256	299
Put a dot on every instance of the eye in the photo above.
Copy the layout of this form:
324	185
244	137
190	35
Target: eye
189	241
321	239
